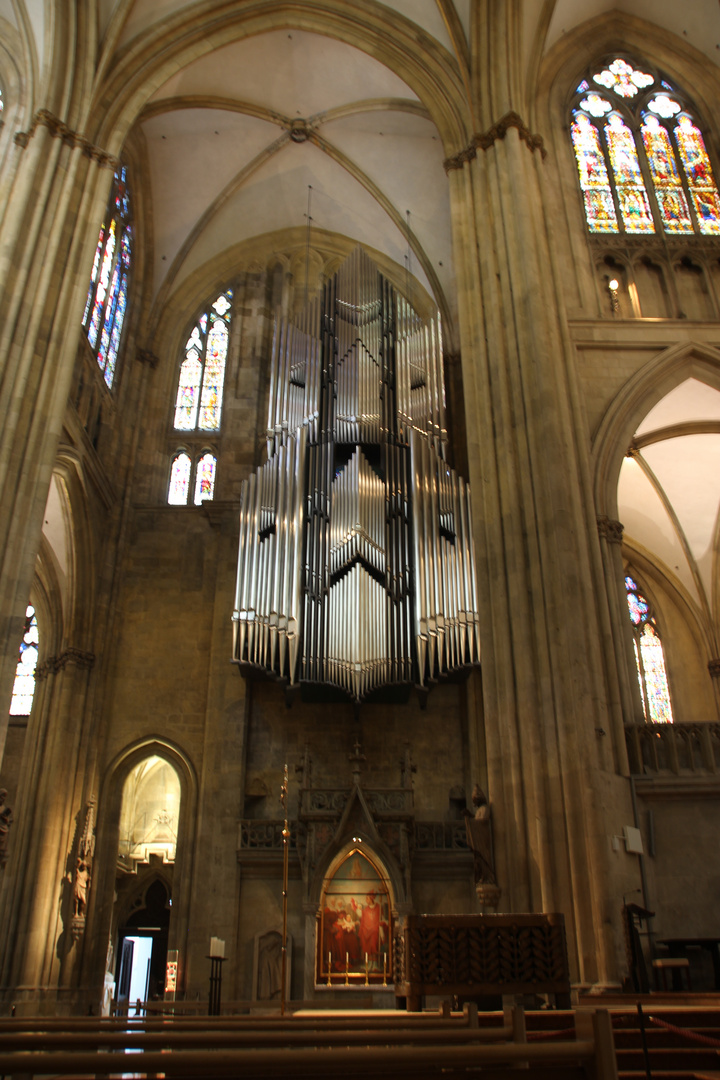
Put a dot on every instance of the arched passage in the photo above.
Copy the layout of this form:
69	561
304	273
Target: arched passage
144	856
656	458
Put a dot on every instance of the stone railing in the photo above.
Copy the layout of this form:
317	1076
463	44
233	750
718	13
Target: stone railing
426	836
682	749
440	836
264	835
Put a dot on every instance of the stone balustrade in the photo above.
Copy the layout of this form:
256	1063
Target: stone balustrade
682	749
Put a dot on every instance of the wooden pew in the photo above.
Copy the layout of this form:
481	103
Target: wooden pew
254	1047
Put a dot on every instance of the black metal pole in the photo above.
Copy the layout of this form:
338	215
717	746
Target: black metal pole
216	963
643	1039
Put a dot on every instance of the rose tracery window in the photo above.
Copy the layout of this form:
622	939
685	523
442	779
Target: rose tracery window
649	657
641	157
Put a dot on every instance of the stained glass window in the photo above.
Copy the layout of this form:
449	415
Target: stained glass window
597	194
649	657
24	686
642	161
629	185
696	164
186	477
672	203
205	478
179	479
198	403
106	302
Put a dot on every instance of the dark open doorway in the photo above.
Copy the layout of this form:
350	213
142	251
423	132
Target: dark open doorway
142	948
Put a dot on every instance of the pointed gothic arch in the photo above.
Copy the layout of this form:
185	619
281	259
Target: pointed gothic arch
354	932
102	916
633	401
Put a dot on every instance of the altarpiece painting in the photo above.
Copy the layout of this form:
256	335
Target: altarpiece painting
354	933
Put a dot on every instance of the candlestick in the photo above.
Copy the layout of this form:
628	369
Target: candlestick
384	969
367	981
329	979
347	968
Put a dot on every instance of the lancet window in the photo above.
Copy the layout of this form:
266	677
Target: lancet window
106	303
198	403
192	478
649	657
642	160
24	685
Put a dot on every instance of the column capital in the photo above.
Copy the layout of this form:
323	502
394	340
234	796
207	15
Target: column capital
145	356
484	140
610	530
54	664
60	130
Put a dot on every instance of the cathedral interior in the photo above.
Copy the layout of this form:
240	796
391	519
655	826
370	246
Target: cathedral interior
360	446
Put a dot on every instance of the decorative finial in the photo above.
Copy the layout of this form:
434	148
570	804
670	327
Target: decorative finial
356	759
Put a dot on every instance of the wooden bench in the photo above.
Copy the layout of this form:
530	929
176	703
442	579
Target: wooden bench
317	1047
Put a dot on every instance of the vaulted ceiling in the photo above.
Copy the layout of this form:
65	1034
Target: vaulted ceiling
230	158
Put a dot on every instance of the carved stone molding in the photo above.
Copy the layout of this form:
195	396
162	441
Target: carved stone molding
53	664
714	668
484	140
77	927
60	130
144	356
610	530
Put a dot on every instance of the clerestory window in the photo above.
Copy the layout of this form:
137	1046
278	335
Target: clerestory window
106	303
641	156
198	403
649	657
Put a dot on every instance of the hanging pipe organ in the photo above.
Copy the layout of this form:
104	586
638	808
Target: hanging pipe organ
356	561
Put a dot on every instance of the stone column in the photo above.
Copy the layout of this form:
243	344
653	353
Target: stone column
611	533
47	238
551	780
37	888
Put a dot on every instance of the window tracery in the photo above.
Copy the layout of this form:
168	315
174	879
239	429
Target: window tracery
106	303
198	403
649	657
641	157
24	685
202	472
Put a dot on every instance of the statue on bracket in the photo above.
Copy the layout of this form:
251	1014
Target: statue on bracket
479	837
81	877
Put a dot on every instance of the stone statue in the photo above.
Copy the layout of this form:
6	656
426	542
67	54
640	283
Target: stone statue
80	886
479	838
6	820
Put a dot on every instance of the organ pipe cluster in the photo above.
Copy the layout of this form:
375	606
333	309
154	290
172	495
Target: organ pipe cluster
356	560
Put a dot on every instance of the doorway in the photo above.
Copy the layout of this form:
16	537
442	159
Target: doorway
142	948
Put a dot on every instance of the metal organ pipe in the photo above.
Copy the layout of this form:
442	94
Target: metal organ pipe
347	575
